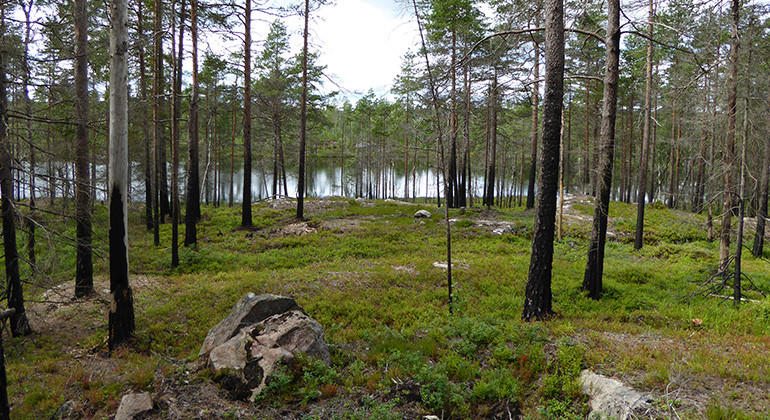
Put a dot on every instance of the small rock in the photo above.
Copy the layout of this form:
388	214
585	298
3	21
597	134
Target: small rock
64	411
422	214
443	265
298	229
132	405
502	230
430	417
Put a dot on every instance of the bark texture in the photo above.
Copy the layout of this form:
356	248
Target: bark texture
537	300
84	278
592	281
121	317
193	196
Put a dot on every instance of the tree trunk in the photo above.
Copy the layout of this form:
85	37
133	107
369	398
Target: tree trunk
84	278
176	116
537	301
440	146
145	119
121	319
641	196
592	281
741	198
586	152
232	151
535	132
28	110
193	196
729	152
246	219
156	125
303	121
759	236
467	177
489	198
19	323
451	198
672	157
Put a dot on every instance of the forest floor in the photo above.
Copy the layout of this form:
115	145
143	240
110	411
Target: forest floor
366	270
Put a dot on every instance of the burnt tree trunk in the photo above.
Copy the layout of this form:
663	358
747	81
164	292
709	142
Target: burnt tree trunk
246	219
121	318
84	278
19	323
537	300
592	281
193	196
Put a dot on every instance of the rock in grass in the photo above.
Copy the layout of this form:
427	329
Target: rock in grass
249	310
245	362
133	405
609	398
422	214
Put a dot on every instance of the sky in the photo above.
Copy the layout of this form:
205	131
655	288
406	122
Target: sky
362	43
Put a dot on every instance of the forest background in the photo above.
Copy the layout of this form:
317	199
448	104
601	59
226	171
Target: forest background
464	114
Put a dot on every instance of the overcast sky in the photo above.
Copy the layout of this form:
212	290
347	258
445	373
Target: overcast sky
361	42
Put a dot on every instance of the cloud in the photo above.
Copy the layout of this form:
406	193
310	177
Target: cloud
362	42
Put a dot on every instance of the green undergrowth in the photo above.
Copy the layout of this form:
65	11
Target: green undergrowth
373	285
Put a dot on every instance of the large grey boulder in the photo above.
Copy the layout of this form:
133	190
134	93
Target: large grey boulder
249	310
245	362
609	398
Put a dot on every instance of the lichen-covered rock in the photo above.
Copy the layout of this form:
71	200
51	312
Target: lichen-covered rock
132	405
244	363
249	310
609	398
422	214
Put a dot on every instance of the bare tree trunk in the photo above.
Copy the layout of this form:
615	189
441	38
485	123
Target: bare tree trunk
406	156
246	220
672	157
489	198
121	318
440	146
177	105
641	196
537	301
741	198
145	119
156	125
451	198
534	131
759	237
19	323
193	196
567	169
586	153
303	121
84	278
232	151
729	153
592	281
26	75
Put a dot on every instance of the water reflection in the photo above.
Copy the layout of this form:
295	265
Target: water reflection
325	178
